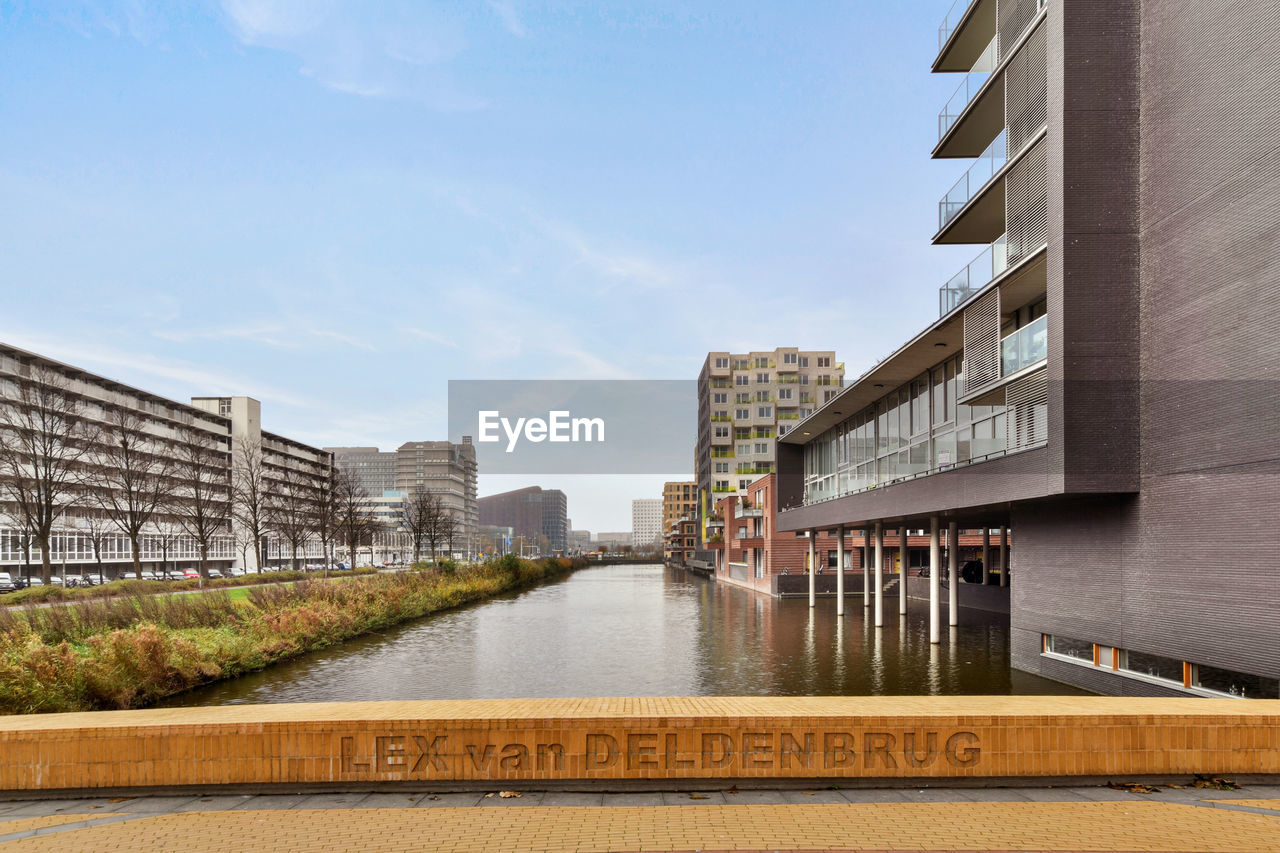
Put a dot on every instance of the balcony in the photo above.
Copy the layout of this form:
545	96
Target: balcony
966	29
1025	347
972	211
971	84
757	512
980	272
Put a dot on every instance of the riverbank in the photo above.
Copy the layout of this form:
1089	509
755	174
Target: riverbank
130	651
127	586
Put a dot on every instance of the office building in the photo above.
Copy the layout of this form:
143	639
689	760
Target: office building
679	500
1101	377
536	515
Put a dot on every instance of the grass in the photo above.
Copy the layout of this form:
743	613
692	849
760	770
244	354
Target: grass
132	586
129	650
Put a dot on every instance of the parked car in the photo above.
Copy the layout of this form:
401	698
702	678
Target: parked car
174	575
148	575
34	581
214	573
236	572
190	574
7	583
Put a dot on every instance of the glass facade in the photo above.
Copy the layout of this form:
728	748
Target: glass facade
920	428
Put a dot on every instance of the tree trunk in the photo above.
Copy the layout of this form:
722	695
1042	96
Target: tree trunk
46	563
137	555
257	553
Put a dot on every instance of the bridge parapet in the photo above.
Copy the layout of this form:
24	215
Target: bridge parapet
628	743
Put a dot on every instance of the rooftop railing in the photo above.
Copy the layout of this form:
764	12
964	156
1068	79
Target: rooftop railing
981	271
1025	347
972	181
969	86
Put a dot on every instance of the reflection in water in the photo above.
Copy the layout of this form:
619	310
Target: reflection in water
645	631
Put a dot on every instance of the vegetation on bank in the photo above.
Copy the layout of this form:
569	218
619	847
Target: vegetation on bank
130	650
132	586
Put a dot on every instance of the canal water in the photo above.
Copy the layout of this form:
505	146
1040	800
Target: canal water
646	630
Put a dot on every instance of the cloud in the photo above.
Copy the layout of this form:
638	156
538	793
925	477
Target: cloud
431	336
506	13
396	50
278	336
198	381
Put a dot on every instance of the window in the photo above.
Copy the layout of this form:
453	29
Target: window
721	413
762	378
762	361
789	357
762	396
762	447
722	362
744	449
722	432
785	393
824	361
804	361
742	484
1068	647
1231	683
742	379
742	398
742	414
722	467
1152	666
720	398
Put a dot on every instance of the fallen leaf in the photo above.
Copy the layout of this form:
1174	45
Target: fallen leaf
699	797
732	790
506	795
490	794
1133	787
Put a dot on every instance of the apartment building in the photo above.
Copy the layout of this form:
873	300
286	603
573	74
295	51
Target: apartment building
680	541
679	500
166	436
537	515
646	522
747	400
443	468
1100	377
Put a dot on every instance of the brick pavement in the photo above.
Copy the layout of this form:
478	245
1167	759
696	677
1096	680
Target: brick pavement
1076	819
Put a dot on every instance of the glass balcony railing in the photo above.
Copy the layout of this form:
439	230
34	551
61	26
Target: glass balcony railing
972	181
969	86
952	20
1025	347
980	272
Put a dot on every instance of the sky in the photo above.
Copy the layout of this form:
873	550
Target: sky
336	207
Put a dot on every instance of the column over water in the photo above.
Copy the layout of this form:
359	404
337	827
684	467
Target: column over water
1004	556
866	567
986	553
953	571
813	567
903	564
879	590
840	570
935	569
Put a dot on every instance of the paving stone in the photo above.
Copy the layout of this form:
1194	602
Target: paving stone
215	804
526	798
38	808
1106	795
572	798
390	801
872	795
1051	795
272	802
751	797
455	800
992	795
646	798
154	804
700	798
331	801
818	797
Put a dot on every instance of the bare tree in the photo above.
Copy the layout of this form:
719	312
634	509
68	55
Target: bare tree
45	438
133	476
202	502
325	511
420	518
97	527
353	519
250	499
291	512
166	534
448	531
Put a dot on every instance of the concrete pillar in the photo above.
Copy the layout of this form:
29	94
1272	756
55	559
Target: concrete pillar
935	571
953	569
1004	555
986	554
903	564
879	590
813	567
840	571
866	567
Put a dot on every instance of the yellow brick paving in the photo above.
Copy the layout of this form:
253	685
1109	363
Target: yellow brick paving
1257	803
1084	826
25	824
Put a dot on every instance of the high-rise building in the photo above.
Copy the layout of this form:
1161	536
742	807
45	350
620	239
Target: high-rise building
745	401
443	468
1101	377
533	514
205	442
646	522
679	500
